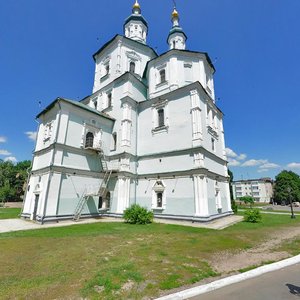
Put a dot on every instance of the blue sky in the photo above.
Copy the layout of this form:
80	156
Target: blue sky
46	51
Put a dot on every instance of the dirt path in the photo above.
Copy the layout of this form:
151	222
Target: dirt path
225	262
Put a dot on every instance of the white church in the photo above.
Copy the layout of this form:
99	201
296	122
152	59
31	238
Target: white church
150	133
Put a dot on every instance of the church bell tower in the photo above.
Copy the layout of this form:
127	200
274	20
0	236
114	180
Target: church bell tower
135	26
177	37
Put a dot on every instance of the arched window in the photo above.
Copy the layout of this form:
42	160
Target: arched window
89	140
159	198
174	44
161	117
114	146
95	104
162	74
132	67
158	195
100	203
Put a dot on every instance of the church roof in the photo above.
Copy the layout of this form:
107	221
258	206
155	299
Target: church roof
126	39
77	104
181	51
177	29
136	18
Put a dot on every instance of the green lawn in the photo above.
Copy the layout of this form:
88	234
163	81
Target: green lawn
117	260
9	213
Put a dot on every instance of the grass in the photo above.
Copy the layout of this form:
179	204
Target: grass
255	266
293	247
9	213
118	260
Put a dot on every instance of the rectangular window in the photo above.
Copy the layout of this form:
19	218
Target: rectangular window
109	100
162	74
213	146
161	117
107	69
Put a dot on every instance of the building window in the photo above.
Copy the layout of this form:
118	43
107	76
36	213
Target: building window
213	144
159	196
162	74
100	203
132	67
89	140
95	104
104	203
114	145
109	100
161	117
174	44
106	67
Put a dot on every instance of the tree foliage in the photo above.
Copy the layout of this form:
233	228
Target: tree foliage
233	204
12	180
247	200
284	181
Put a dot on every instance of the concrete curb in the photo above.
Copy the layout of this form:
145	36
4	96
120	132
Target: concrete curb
198	290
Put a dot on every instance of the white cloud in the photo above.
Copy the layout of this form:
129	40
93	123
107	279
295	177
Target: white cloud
4	152
254	162
10	158
269	166
231	154
2	139
31	135
242	156
233	162
294	165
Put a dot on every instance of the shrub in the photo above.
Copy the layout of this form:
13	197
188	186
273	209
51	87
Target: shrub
136	214
247	200
252	215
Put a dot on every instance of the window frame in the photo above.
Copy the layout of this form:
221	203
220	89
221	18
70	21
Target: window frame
162	76
158	188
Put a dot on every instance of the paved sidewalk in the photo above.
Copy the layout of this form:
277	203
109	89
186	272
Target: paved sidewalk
9	225
215	224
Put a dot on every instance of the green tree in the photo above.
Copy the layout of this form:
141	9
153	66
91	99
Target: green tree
284	181
247	200
233	204
13	179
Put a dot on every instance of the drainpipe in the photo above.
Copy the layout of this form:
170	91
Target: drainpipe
52	161
30	168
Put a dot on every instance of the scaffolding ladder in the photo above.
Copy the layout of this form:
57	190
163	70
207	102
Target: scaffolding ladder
101	192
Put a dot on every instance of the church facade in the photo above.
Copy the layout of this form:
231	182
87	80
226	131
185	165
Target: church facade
150	133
